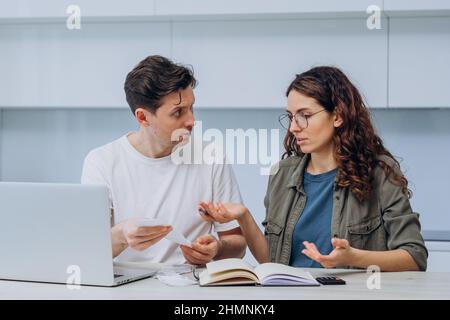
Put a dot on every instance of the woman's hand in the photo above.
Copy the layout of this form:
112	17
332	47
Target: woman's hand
222	212
342	254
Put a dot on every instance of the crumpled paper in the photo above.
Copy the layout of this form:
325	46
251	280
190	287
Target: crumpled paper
174	279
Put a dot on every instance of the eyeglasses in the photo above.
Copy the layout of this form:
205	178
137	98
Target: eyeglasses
301	119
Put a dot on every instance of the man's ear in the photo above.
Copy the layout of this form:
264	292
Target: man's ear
142	116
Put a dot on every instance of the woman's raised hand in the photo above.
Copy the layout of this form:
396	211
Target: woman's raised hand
221	212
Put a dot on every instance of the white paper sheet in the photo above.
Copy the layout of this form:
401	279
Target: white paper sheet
175	235
175	280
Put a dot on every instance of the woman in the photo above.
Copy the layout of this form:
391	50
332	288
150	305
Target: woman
338	197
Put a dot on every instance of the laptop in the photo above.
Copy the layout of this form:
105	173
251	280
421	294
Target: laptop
59	233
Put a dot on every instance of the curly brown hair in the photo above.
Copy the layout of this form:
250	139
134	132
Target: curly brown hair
357	146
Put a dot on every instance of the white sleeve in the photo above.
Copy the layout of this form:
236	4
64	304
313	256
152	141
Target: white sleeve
225	189
94	173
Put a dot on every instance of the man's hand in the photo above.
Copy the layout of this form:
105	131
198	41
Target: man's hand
203	250
341	255
140	238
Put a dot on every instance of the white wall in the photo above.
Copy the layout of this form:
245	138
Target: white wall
241	60
49	145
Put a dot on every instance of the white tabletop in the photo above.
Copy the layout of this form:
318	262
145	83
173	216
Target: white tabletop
399	285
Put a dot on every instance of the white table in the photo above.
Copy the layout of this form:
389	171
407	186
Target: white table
400	285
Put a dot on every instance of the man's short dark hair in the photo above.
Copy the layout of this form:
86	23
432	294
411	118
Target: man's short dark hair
154	78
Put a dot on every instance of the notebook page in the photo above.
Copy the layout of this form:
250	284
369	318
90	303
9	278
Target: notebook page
228	264
275	271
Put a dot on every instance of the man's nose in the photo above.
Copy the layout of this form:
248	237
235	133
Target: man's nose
190	122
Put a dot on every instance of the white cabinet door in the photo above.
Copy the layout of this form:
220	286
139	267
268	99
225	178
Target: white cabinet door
47	65
220	7
251	63
416	7
438	256
419	66
32	9
438	261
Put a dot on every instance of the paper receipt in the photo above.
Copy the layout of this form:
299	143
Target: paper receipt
175	235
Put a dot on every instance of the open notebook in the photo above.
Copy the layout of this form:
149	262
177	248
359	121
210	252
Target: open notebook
238	272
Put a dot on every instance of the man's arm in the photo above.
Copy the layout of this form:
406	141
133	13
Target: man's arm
119	242
232	244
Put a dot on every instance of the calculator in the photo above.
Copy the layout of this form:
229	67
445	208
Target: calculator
330	280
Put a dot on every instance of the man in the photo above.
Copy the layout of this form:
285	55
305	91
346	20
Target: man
144	181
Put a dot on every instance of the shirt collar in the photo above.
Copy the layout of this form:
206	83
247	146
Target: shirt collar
296	180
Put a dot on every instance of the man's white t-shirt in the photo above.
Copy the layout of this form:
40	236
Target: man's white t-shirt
159	188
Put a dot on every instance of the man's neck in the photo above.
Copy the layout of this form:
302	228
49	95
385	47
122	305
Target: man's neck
322	161
148	146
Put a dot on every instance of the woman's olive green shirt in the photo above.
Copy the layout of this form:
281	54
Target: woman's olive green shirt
383	222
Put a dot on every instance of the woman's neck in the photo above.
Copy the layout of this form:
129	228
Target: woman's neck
322	161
